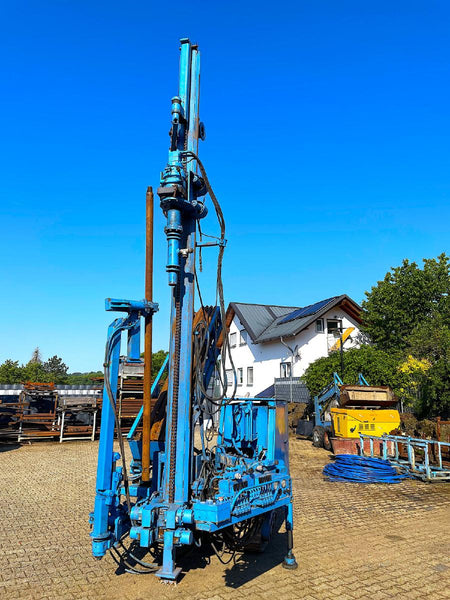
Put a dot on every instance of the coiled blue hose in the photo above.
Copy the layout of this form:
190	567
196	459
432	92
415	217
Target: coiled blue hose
362	469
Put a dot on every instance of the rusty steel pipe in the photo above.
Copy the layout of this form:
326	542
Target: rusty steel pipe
147	399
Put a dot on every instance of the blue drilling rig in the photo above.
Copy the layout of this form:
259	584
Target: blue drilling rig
172	494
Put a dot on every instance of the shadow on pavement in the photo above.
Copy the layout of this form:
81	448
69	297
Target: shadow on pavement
7	446
251	565
241	569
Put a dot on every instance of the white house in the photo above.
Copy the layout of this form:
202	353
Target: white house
268	342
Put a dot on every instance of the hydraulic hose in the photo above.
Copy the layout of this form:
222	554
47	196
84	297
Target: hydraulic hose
362	469
219	285
108	351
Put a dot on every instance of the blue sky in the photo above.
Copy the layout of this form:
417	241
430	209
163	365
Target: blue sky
328	130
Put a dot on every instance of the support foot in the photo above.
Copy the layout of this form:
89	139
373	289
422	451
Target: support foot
289	562
168	572
168	576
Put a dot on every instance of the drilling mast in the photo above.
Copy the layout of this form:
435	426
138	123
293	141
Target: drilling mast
173	494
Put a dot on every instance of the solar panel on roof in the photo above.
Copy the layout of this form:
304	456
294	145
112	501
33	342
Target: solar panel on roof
306	311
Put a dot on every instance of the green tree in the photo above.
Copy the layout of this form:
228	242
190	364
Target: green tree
378	367
405	298
36	357
56	369
157	361
35	372
10	372
431	341
84	378
407	318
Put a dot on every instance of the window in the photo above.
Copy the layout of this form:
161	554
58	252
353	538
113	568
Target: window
230	377
233	337
319	325
243	338
285	370
240	376
249	375
334	325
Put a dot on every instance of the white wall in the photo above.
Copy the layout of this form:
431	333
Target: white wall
265	358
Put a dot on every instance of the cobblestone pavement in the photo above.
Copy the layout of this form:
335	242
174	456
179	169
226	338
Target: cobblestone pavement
351	541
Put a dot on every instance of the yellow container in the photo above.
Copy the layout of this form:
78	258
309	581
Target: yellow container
350	422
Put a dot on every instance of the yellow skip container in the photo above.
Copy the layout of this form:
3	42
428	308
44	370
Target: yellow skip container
350	422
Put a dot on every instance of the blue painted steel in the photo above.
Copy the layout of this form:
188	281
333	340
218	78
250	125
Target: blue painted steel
101	534
134	343
136	444
107	499
322	400
141	410
246	476
142	306
183	429
362	380
183	203
174	230
184	424
426	465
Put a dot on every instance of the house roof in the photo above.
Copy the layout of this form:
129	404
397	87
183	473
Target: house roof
265	322
267	393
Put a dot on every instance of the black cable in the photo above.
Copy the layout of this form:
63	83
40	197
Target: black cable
108	350
121	561
219	556
201	347
138	560
221	220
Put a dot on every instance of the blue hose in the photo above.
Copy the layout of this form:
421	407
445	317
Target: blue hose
362	469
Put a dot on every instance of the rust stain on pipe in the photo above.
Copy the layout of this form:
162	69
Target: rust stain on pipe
146	417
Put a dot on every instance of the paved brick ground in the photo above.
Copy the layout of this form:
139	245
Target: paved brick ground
351	541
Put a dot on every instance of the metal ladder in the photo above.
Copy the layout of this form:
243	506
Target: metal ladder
423	457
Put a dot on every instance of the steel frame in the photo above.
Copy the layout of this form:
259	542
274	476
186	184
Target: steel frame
389	446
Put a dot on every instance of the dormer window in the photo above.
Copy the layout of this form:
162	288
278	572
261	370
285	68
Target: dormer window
334	325
285	370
